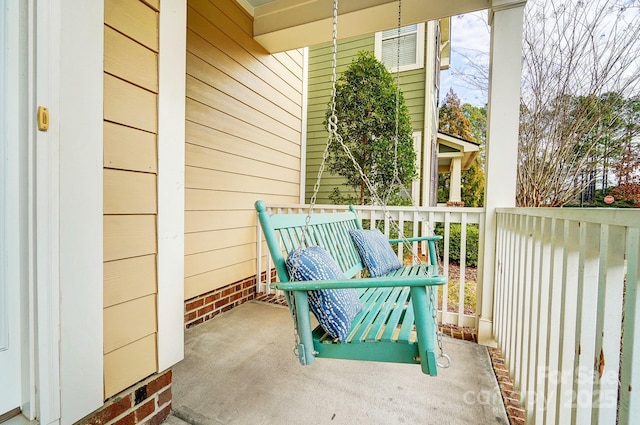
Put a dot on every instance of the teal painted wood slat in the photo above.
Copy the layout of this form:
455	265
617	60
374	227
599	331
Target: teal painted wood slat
397	317
371	311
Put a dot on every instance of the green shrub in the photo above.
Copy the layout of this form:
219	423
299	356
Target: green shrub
454	242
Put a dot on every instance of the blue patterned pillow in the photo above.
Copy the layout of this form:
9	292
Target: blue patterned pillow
334	308
376	253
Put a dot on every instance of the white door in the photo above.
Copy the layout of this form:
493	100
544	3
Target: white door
12	207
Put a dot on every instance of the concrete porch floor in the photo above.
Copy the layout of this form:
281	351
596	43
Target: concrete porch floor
239	369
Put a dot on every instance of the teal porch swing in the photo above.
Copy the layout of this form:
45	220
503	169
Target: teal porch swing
389	316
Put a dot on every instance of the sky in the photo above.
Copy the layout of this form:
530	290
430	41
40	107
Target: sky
469	40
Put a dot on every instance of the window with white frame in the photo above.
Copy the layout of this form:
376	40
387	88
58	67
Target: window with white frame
411	53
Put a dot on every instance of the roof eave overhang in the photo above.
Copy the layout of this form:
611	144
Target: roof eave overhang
289	24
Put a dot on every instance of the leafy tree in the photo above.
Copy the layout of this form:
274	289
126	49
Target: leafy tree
626	166
580	68
468	122
366	96
452	119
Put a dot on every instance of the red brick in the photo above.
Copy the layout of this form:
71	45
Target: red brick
517	421
227	292
235	296
130	419
159	417
511	394
501	372
512	402
222	302
206	309
227	308
145	410
209	299
508	386
197	322
160	382
164	397
116	408
194	304
190	316
516	412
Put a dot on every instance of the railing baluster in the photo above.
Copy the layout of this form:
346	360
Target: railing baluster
611	275
630	367
463	260
445	265
587	297
553	337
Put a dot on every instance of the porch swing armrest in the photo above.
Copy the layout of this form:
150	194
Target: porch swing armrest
370	282
417	239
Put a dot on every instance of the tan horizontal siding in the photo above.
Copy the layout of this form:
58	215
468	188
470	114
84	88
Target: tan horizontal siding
213	240
202	48
243	135
128	279
202	221
201	178
128	322
129	364
204	19
135	19
127	104
205	261
284	153
201	283
127	236
130	60
197	156
127	192
126	148
130	191
215	99
223	122
207	200
222	83
154	4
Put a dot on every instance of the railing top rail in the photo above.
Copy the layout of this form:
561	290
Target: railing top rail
376	208
612	216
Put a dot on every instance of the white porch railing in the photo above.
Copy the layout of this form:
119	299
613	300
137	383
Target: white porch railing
560	299
418	221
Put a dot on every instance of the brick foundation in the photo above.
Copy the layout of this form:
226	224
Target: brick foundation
510	397
208	305
148	402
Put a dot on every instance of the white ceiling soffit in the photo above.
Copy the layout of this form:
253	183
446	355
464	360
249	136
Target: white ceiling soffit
289	24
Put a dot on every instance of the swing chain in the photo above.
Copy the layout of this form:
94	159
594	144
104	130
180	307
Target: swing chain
434	311
332	127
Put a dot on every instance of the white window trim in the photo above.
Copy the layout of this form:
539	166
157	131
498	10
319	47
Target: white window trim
416	184
419	63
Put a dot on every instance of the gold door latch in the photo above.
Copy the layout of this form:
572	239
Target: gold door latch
43	118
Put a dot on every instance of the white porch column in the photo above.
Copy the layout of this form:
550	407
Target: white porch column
505	69
455	185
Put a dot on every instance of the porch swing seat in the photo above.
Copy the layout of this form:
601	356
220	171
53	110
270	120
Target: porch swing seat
396	321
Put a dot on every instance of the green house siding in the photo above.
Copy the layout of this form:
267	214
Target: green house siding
412	84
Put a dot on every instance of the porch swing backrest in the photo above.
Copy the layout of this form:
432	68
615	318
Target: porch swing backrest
328	230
